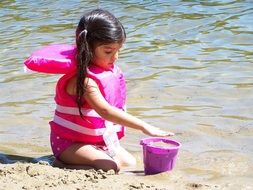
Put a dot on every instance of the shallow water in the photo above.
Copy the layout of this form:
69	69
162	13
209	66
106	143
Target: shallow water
188	66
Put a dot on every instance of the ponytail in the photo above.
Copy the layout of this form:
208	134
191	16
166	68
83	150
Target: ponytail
83	59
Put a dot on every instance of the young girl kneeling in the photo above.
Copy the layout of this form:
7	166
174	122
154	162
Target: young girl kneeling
90	114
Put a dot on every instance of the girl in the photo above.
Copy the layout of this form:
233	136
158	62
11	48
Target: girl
90	114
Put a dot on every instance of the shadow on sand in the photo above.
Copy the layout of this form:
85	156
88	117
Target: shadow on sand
11	159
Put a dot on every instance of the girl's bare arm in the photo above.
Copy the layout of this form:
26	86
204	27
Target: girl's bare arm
96	100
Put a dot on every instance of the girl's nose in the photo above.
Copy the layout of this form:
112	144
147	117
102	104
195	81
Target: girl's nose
115	56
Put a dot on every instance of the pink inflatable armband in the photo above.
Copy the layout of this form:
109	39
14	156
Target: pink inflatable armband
55	59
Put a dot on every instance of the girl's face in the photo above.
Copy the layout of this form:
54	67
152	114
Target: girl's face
105	55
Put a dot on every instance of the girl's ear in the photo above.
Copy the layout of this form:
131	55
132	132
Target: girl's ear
93	48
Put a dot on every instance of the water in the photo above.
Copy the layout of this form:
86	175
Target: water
188	66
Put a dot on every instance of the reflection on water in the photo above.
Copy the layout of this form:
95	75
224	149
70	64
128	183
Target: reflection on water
188	66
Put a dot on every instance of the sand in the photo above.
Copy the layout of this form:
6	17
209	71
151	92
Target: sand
161	144
210	171
43	176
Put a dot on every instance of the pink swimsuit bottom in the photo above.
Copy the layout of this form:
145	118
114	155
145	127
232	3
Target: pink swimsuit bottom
59	145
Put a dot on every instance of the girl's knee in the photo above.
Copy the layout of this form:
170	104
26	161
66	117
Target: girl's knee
128	161
131	161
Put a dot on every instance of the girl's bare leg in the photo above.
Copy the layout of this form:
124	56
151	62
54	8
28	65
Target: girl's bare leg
80	156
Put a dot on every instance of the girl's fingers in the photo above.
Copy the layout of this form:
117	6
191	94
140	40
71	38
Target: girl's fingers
170	134
166	133
157	132
160	132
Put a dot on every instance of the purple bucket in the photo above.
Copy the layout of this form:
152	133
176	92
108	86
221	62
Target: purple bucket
157	158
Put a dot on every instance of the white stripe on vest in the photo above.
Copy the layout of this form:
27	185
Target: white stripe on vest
81	129
75	111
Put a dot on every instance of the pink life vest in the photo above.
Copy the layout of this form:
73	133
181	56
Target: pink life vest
67	122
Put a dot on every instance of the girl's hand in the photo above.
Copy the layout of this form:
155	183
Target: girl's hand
156	132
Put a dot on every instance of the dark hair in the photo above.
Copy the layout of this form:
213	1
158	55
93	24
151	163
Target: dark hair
97	27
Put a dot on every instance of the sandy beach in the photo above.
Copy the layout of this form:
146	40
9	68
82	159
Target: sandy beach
217	170
43	176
